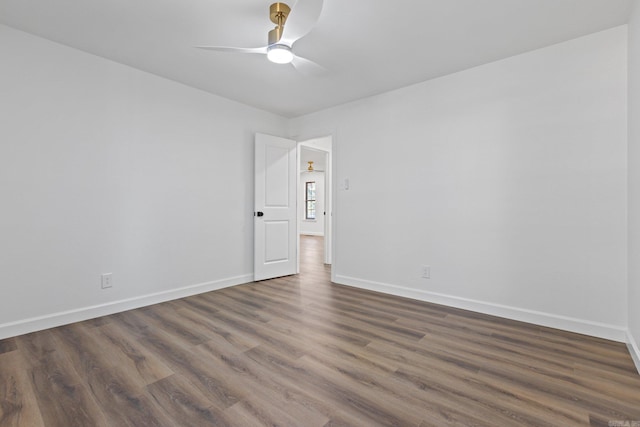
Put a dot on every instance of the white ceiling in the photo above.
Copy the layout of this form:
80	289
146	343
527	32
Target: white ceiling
368	46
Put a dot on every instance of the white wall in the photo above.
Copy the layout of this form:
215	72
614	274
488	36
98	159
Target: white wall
312	227
634	184
104	168
508	179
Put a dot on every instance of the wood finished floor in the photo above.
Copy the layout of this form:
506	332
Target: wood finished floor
300	351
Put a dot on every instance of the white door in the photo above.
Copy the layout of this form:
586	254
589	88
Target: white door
275	245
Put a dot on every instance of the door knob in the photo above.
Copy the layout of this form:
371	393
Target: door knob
259	213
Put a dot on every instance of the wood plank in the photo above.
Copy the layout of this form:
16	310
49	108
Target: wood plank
18	403
63	396
121	396
129	356
8	345
182	360
284	391
181	400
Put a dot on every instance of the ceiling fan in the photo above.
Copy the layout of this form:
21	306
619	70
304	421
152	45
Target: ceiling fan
291	26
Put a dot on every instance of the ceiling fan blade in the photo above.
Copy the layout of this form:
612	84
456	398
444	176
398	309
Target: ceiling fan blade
307	67
262	50
303	17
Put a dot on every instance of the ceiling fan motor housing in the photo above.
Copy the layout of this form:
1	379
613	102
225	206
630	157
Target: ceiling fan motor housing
275	35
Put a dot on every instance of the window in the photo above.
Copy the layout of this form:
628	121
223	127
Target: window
310	200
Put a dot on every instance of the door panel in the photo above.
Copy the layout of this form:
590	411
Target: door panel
277	236
275	252
276	176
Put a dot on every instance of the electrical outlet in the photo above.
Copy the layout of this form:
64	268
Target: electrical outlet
106	280
426	272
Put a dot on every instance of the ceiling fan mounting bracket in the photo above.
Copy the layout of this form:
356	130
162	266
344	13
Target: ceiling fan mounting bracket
278	13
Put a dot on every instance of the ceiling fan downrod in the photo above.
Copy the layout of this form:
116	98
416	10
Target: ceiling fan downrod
278	13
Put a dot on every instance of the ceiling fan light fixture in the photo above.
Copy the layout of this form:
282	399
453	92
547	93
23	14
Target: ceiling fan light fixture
280	54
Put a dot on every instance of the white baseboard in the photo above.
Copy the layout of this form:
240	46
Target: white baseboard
39	323
586	327
312	233
634	350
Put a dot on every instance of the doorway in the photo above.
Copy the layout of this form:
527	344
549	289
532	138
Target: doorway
315	198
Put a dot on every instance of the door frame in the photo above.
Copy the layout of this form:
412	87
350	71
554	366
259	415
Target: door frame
329	196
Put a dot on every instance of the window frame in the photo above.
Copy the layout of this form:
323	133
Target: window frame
310	202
